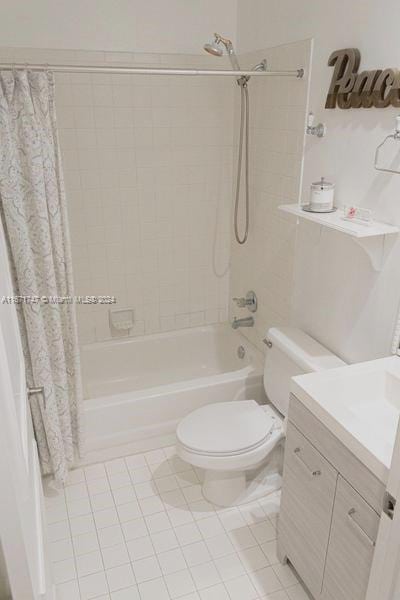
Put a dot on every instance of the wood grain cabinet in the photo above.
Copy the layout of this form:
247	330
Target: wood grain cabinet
351	545
306	507
330	508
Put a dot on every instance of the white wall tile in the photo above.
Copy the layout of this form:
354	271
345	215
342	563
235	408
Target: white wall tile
157	145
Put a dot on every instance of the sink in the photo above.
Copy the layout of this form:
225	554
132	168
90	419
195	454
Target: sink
360	404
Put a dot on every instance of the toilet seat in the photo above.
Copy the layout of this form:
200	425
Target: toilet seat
225	428
260	433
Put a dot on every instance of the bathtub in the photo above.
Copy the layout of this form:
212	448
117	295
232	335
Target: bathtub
139	388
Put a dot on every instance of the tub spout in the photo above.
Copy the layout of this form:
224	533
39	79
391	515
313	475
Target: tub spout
247	322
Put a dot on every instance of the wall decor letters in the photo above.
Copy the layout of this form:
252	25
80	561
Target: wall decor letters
351	89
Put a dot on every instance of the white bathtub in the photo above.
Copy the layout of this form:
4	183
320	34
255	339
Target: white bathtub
141	387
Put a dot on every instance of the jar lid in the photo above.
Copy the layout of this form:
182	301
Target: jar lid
322	184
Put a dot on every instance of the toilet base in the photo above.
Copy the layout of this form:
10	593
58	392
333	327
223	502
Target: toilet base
224	488
230	488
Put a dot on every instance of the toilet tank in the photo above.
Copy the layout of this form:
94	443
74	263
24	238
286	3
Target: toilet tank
292	352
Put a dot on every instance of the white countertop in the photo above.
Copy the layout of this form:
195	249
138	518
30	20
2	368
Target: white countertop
360	405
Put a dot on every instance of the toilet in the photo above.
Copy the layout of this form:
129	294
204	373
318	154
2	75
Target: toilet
239	444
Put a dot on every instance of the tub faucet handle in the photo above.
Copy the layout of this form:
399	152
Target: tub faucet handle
250	300
240	302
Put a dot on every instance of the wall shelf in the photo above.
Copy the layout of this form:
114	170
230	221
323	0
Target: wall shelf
372	238
335	221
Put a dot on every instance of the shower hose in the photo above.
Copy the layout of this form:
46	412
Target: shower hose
243	136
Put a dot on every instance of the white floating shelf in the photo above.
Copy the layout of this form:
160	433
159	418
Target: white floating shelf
335	220
370	237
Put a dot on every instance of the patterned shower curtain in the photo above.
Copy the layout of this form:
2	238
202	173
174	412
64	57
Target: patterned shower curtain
34	215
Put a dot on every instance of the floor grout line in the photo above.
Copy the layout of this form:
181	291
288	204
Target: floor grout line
97	532
149	535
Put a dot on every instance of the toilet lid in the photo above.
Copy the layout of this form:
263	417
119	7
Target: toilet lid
225	427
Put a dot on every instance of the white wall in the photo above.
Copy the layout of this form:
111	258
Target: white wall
338	297
115	25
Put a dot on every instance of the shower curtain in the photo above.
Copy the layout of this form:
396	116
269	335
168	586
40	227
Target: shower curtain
34	216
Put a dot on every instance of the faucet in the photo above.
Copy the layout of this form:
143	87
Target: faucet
246	322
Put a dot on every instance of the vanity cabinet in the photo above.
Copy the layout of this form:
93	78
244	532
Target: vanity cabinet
306	507
330	508
351	545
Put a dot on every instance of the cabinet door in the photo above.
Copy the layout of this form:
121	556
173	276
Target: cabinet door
308	491
351	545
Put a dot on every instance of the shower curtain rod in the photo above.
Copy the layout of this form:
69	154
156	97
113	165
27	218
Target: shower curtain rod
145	71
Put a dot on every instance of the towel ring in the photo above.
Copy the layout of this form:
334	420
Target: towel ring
393	136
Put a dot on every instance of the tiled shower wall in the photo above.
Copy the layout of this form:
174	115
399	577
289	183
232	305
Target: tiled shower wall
265	263
147	165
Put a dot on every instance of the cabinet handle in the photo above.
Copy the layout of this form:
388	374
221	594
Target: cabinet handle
356	526
316	473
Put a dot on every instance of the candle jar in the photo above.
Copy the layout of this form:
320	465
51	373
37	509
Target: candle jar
322	196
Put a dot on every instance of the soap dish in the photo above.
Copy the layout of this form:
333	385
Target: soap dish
307	208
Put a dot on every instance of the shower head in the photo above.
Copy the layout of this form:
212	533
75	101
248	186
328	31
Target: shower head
215	49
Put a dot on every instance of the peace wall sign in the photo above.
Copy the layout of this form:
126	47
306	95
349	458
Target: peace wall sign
350	89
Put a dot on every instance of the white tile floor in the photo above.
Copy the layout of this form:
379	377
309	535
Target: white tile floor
138	528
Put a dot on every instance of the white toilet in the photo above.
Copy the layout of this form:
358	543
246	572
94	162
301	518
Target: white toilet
239	444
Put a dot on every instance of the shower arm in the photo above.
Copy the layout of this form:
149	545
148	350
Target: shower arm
227	42
229	48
